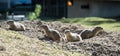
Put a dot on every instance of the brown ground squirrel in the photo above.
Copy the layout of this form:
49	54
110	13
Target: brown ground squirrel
72	37
85	34
16	25
51	33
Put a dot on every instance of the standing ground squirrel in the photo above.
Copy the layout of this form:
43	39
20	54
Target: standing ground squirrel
72	37
16	25
85	34
51	33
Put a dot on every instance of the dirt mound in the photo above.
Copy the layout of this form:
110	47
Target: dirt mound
104	44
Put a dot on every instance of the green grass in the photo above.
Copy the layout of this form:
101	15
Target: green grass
20	45
106	23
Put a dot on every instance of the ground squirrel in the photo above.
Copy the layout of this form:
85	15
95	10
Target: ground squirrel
51	33
72	37
85	34
15	25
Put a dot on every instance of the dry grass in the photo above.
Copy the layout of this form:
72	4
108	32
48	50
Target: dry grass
20	45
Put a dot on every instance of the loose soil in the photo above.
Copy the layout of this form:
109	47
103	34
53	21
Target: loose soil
106	43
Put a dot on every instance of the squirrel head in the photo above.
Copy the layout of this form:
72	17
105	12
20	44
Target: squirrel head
67	32
44	26
10	22
98	28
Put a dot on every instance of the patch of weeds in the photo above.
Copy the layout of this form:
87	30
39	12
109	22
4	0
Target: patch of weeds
35	15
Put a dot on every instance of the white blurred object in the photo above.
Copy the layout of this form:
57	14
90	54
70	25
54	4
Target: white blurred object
16	17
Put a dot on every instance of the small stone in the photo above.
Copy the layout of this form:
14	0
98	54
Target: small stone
2	48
